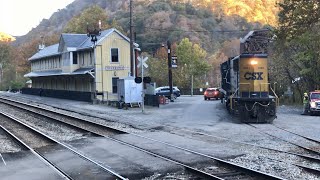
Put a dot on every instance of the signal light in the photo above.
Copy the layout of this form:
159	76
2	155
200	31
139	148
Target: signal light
138	80
146	79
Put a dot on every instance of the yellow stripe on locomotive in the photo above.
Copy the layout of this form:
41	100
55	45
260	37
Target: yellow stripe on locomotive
253	77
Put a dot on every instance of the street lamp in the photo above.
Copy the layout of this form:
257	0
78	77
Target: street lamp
191	88
93	34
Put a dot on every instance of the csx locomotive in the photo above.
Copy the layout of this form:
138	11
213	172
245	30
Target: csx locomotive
248	91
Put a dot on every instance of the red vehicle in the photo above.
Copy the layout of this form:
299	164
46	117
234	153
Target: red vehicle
314	102
212	93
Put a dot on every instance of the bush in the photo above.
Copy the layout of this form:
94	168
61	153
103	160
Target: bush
16	85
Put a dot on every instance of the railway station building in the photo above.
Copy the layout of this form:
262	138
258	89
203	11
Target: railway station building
77	69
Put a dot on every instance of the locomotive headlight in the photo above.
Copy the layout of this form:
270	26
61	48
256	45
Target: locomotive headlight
313	104
253	62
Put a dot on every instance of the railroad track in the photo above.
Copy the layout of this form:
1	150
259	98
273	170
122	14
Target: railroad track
21	132
307	158
222	169
313	149
313	145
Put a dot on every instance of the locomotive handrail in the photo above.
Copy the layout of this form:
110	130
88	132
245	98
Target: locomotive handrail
232	97
277	98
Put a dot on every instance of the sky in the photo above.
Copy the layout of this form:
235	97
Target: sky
18	17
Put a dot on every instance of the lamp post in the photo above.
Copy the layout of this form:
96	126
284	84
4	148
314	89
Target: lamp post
191	79
131	42
93	34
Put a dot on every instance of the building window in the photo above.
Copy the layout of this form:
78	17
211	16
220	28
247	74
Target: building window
114	55
91	60
82	54
75	57
114	85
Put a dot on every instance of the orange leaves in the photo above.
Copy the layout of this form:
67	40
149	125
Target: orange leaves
6	37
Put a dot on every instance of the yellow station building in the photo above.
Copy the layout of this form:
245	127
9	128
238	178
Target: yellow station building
76	69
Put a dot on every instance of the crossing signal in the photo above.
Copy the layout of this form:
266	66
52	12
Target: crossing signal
146	79
138	80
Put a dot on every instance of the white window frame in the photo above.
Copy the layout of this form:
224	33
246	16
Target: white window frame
118	56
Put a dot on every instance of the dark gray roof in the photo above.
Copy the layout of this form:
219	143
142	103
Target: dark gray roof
78	41
58	73
46	52
88	43
74	40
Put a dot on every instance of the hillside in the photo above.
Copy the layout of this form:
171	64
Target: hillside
208	23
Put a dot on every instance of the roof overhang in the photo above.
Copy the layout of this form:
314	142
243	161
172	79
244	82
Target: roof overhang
81	71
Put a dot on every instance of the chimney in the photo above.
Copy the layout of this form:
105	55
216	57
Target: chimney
41	46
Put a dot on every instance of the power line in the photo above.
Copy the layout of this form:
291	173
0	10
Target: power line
213	31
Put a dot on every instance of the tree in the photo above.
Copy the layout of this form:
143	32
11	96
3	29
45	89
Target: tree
191	64
158	71
7	68
115	24
88	18
296	50
6	37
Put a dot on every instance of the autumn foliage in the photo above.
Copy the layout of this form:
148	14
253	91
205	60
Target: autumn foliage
6	37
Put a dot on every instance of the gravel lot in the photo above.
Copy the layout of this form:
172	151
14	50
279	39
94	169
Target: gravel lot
182	119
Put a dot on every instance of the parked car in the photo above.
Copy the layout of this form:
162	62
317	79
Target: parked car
165	91
213	93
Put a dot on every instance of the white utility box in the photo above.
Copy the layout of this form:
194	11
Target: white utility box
130	90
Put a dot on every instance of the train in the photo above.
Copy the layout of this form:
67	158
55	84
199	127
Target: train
248	93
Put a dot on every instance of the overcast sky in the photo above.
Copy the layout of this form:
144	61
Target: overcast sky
18	17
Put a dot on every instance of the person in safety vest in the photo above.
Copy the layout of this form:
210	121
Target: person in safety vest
305	103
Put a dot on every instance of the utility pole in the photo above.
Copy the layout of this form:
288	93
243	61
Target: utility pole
93	34
1	74
131	41
170	70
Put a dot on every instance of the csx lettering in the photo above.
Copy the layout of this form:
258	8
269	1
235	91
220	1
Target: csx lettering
253	75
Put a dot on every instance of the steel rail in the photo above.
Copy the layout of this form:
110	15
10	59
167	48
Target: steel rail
314	159
309	169
239	167
61	114
189	168
4	162
303	147
66	146
34	152
311	158
303	136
